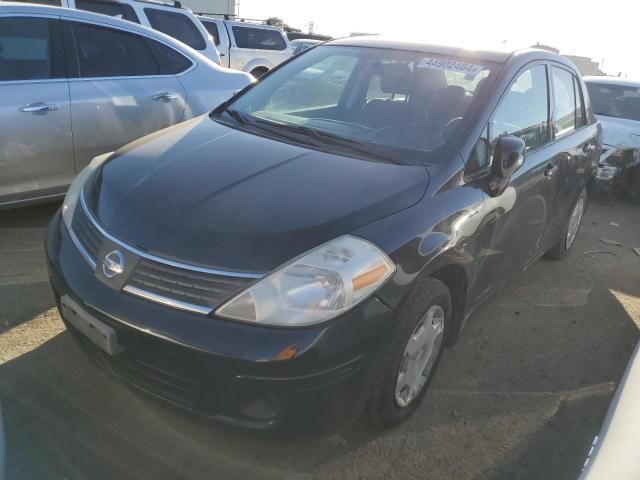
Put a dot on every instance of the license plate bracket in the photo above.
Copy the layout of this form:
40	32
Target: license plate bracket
101	334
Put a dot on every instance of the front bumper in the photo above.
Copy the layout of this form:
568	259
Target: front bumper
227	370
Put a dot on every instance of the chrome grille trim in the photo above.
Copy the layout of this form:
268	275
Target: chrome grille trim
83	252
169	302
171	263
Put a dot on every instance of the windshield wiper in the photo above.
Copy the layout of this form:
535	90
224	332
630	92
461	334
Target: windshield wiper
237	116
322	139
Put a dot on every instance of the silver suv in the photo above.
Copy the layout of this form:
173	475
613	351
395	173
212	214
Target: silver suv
76	84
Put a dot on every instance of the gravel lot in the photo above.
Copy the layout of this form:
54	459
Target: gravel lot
520	396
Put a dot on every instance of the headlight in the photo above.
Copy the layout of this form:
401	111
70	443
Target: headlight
315	287
73	194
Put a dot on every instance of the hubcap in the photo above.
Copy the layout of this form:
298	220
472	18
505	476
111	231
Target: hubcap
574	222
419	356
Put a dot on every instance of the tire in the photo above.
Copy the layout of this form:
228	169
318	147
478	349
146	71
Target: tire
384	408
258	72
562	248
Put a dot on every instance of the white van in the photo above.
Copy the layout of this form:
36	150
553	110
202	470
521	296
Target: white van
169	18
248	46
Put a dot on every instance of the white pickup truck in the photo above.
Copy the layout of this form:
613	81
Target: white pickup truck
251	47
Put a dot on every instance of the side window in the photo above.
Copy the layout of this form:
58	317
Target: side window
581	116
176	62
564	102
523	111
258	38
112	9
105	52
176	25
27	49
212	28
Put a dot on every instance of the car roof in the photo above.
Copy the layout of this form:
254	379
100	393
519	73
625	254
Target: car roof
97	18
613	81
496	55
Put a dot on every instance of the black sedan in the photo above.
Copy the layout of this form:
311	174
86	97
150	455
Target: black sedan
304	253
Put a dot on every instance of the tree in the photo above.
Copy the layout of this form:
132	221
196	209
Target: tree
278	22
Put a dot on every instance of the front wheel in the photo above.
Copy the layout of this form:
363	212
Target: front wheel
413	353
570	232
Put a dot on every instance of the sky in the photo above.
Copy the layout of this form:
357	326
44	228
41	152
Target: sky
583	28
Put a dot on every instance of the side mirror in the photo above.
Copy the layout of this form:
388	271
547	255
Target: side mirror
508	157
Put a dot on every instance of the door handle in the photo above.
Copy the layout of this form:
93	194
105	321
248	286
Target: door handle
39	107
550	171
164	96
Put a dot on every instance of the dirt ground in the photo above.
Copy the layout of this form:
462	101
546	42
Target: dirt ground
520	396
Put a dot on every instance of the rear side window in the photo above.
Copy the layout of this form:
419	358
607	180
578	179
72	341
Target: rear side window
112	9
523	111
105	52
258	38
28	49
176	25
564	101
176	62
212	28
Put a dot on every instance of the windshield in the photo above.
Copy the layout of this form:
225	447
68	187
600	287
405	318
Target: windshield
615	100
397	103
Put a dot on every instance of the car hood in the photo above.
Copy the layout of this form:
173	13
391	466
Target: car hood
620	132
207	194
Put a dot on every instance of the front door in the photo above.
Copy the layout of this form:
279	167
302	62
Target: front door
516	221
36	147
121	91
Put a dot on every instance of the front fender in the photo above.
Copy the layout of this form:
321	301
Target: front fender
440	231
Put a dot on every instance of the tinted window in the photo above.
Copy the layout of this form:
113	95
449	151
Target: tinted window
581	117
25	49
117	10
260	38
104	52
564	102
621	101
523	110
176	25
212	28
176	62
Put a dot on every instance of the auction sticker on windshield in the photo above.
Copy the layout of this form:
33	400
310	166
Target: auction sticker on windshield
435	63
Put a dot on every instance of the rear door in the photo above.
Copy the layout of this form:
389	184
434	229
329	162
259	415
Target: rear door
576	144
120	90
36	148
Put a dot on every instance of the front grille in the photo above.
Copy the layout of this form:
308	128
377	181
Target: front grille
86	233
161	281
187	286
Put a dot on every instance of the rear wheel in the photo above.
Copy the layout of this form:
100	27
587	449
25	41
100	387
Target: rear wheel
413	354
561	249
